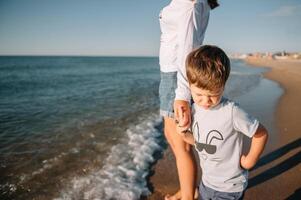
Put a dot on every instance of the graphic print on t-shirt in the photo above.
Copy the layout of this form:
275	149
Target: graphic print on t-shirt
209	147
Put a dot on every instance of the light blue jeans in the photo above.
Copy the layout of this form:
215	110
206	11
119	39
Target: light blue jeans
167	88
207	193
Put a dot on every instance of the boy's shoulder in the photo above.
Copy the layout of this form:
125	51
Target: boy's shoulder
231	106
225	108
227	102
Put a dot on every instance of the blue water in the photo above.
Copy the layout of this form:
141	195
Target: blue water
47	92
78	122
51	107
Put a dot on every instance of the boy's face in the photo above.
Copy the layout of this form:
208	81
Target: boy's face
205	98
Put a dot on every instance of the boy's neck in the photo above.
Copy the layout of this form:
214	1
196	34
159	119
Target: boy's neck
214	107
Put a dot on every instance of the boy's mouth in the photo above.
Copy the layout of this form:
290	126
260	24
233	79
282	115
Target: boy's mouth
206	106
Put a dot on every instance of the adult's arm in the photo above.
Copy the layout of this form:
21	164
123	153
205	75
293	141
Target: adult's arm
191	32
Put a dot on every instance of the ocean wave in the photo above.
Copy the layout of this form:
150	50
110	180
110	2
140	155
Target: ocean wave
240	73
240	83
124	173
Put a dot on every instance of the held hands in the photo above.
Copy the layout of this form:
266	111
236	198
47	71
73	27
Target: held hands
182	114
183	120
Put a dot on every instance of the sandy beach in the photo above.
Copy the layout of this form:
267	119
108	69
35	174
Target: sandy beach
278	173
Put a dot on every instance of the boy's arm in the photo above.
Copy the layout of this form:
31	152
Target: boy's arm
257	146
187	135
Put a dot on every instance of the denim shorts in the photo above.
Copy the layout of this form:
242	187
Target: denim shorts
206	193
167	94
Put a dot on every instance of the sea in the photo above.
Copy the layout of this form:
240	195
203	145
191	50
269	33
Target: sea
89	127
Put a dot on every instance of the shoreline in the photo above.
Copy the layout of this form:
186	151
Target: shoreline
288	74
277	175
280	176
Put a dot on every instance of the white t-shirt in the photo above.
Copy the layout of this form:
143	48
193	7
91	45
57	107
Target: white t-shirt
219	136
183	24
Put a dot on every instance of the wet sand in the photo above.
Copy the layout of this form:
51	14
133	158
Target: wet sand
278	174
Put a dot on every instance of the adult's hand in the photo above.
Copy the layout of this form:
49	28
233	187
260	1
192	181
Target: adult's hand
182	113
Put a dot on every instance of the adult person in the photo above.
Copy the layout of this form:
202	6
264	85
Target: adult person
183	24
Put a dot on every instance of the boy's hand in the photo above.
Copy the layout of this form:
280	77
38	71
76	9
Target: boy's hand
180	130
182	114
187	135
247	162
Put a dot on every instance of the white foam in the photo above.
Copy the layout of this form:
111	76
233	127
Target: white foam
244	73
124	174
8	188
51	163
47	165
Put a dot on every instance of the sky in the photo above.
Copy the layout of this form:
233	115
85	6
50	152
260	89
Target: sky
131	27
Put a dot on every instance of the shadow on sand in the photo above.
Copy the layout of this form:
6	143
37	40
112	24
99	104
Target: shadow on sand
279	168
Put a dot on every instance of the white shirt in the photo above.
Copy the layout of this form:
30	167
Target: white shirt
219	135
183	24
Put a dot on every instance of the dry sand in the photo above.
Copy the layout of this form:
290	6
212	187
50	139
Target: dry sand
278	174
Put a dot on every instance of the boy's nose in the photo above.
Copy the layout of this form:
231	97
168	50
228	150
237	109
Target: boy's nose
206	99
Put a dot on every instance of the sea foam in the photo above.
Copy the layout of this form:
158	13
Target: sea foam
124	173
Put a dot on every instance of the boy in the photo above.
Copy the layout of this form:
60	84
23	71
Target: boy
218	126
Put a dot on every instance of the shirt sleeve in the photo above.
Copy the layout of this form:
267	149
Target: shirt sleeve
243	122
191	32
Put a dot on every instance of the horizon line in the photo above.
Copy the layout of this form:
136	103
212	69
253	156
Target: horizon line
77	55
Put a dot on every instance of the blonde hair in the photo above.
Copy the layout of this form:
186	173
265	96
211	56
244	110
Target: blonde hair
208	67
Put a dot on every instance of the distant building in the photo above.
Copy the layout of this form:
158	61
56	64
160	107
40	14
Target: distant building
281	55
